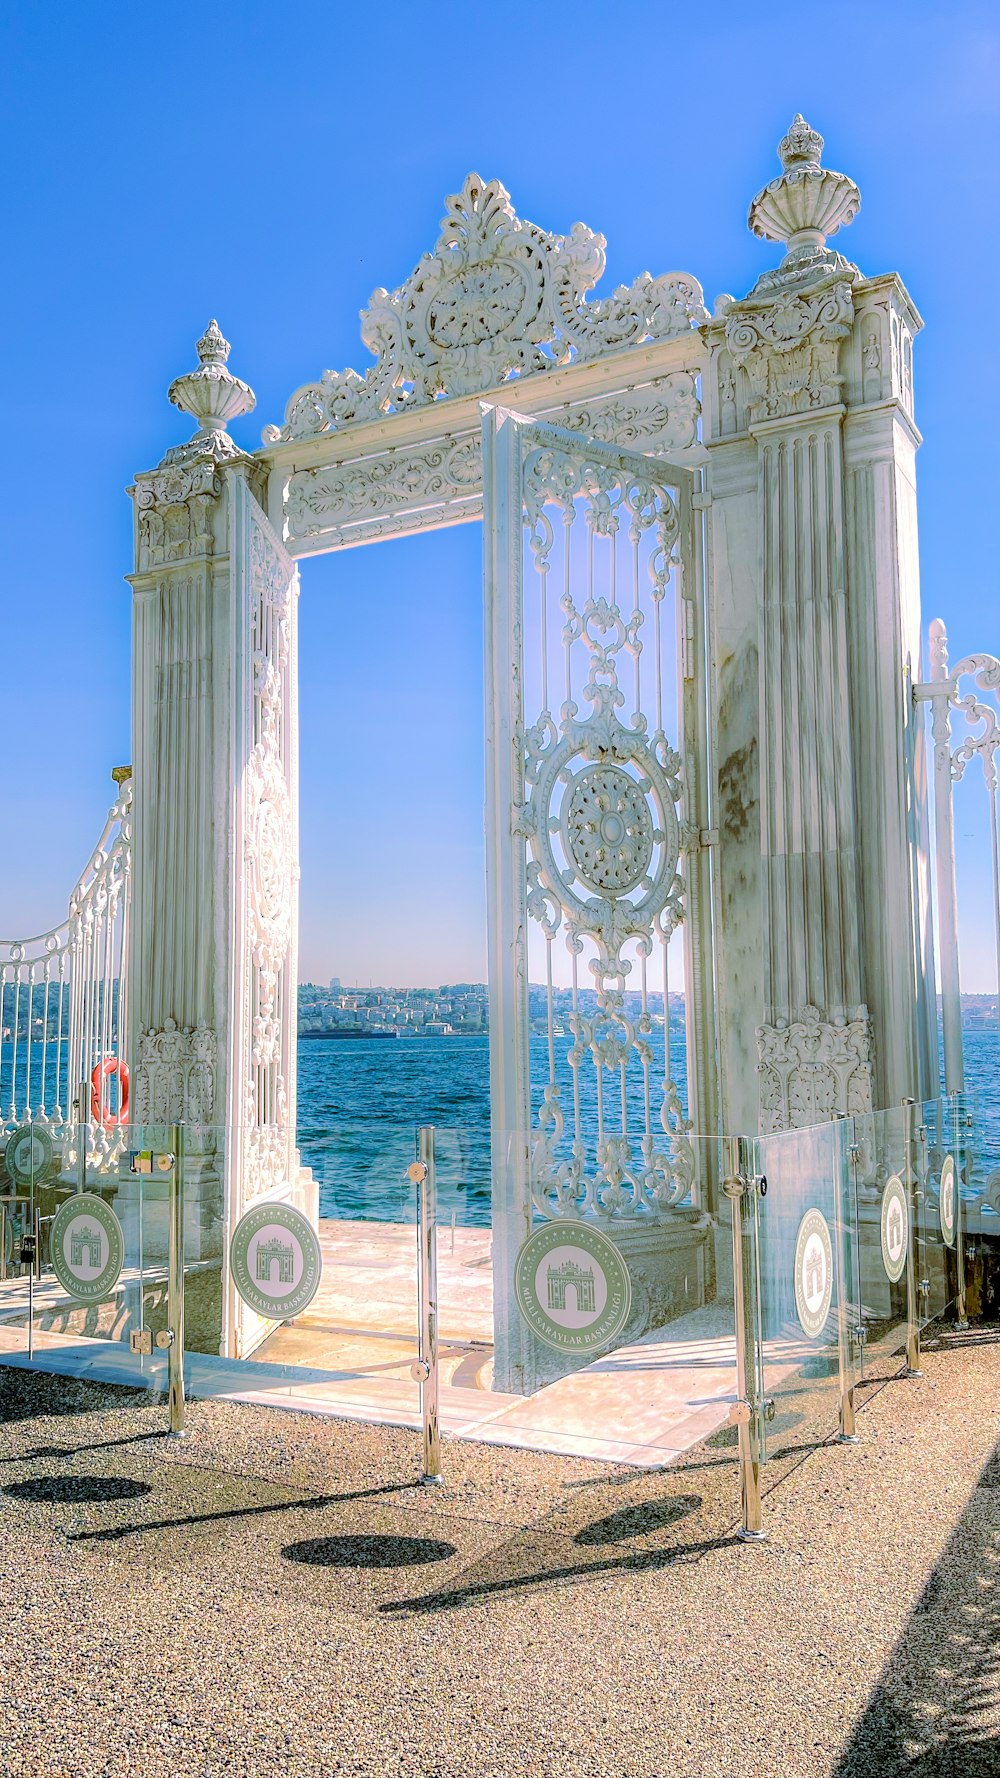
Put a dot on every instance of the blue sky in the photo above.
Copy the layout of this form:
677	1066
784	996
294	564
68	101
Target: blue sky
271	166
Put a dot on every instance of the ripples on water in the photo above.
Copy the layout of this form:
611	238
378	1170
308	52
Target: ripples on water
360	1100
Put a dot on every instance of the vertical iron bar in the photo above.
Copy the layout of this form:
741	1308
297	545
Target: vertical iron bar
175	1285
82	1126
430	1384
944	848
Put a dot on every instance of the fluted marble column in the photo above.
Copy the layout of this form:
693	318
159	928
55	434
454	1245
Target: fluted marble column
815	623
214	912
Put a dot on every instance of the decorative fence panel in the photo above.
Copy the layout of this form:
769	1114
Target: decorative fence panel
63	1004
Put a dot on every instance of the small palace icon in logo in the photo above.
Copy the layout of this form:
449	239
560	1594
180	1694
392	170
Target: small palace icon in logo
571	1276
814	1270
894	1226
89	1238
275	1252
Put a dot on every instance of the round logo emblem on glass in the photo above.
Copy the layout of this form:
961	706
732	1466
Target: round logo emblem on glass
572	1287
895	1228
87	1247
813	1273
276	1261
28	1155
946	1200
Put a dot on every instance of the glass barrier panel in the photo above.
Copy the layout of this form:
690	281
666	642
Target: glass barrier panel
806	1289
938	1162
351	1347
75	1285
310	1298
593	1315
882	1204
980	1190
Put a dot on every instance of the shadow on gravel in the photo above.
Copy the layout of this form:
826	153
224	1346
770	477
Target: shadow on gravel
76	1490
114	1533
488	1583
108	1444
636	1521
936	1710
368	1552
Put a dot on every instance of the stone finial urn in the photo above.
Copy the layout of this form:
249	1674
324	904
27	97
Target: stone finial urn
807	202
211	394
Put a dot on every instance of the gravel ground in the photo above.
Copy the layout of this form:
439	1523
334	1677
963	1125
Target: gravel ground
274	1597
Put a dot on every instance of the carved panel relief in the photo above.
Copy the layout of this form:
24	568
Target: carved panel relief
174	514
813	1069
442	482
175	1076
270	863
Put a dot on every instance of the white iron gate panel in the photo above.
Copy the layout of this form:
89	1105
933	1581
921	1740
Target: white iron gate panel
591	679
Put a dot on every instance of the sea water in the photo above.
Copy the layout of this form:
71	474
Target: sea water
361	1100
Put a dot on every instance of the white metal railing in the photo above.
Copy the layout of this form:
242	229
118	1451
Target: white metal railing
63	1003
974	710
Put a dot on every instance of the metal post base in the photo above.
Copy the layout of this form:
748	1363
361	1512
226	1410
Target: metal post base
176	1435
746	1536
848	1438
961	1326
912	1372
432	1481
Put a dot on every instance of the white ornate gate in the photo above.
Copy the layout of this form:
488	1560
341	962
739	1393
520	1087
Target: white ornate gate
590	674
260	1112
745	586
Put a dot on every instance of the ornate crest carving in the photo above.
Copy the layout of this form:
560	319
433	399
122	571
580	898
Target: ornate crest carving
496	298
813	1069
173	508
789	346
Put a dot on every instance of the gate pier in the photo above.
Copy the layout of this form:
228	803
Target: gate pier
212	964
815	617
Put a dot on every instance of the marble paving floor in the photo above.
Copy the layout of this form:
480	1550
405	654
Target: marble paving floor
642	1404
349	1357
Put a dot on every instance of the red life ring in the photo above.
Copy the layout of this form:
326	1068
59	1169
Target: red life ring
100	1110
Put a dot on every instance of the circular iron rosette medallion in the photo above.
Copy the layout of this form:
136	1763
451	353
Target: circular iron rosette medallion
813	1273
895	1228
946	1200
606	832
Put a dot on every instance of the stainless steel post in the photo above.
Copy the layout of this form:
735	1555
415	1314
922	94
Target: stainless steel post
961	1318
3	1243
847	1433
175	1286
746	1408
31	1283
912	1318
427	1365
